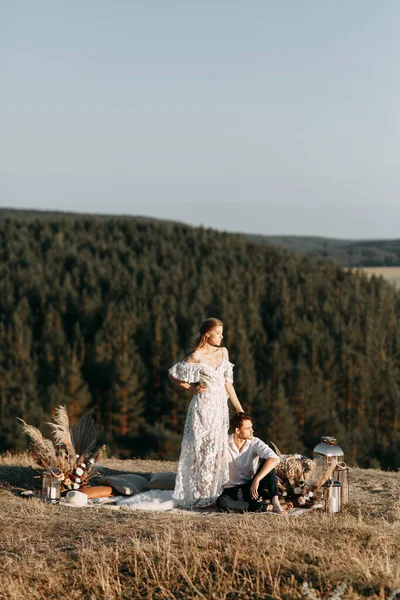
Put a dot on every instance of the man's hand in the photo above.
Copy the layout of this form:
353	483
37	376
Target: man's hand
254	488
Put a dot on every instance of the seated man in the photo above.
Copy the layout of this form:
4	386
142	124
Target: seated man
251	470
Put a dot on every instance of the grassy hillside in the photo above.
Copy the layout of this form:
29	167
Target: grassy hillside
51	553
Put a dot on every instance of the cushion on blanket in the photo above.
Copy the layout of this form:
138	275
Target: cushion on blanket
162	481
97	491
126	484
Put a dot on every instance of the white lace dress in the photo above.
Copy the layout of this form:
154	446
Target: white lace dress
203	466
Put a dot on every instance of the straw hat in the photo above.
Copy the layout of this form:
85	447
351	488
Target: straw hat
75	499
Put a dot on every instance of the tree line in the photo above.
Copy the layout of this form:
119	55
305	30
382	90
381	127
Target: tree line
349	253
93	312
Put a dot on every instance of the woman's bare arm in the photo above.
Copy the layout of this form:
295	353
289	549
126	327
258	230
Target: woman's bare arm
233	397
231	390
181	384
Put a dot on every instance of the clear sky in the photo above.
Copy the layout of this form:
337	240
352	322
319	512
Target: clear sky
260	116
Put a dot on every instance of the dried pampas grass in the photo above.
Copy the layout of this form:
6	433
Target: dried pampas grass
42	449
100	454
276	449
61	431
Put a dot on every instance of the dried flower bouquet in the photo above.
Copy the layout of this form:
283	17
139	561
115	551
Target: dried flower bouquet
299	480
71	455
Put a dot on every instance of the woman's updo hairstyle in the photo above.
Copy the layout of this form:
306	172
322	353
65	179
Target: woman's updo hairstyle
205	327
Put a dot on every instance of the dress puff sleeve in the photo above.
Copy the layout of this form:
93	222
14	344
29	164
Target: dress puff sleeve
228	371
228	367
183	371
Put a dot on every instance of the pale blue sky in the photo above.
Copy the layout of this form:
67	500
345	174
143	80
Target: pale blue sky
261	116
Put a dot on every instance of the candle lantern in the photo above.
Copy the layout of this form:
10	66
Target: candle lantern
336	489
51	484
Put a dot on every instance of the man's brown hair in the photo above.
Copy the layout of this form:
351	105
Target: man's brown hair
237	420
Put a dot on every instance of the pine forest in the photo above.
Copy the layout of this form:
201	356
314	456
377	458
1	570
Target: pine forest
94	311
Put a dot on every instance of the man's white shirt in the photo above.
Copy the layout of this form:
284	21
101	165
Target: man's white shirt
243	464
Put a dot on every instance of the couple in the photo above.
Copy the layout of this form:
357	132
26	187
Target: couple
215	468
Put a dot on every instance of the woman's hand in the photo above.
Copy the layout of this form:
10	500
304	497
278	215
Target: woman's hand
232	395
201	388
254	489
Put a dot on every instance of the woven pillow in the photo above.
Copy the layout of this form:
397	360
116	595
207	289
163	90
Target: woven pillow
127	485
162	481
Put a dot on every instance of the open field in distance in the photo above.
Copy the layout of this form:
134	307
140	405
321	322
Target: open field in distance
392	274
53	552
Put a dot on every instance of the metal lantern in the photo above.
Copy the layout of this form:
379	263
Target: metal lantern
341	474
336	489
51	484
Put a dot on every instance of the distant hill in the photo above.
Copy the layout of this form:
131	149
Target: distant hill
349	253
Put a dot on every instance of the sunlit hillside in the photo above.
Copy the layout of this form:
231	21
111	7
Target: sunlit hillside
53	552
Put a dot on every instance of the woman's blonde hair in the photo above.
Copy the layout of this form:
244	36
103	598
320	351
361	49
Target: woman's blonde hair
205	327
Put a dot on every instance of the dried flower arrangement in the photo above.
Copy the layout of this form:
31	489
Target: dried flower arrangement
71	456
298	479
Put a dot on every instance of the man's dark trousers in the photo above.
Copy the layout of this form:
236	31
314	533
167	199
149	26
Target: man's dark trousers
230	498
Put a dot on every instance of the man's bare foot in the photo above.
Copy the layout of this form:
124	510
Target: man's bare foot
278	508
280	511
282	508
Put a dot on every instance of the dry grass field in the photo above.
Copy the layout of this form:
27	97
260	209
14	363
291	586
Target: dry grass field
392	274
50	552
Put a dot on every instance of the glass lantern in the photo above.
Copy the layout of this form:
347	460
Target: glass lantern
336	490
51	484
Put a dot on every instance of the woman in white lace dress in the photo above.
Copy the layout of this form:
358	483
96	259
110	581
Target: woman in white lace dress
203	467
